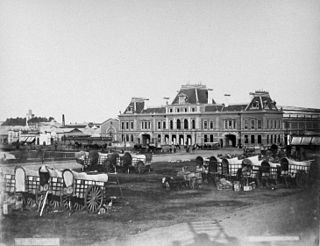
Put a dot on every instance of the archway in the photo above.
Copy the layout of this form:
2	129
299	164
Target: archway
146	139
230	140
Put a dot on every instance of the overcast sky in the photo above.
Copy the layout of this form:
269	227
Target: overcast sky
86	59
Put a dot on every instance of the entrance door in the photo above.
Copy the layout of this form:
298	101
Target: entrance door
145	139
231	140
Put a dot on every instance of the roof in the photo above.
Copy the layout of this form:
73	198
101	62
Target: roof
300	109
159	110
235	107
194	94
222	108
75	126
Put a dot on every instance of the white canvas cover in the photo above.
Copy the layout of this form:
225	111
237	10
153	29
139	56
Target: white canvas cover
20	177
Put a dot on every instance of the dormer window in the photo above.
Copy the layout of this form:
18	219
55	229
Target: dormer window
182	98
255	105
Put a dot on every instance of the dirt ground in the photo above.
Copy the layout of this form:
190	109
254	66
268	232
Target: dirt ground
146	214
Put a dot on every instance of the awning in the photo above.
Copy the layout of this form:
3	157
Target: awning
23	139
305	141
30	139
315	141
296	140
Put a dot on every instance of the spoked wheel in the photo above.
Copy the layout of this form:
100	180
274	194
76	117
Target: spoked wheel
54	204
30	202
78	206
66	202
94	199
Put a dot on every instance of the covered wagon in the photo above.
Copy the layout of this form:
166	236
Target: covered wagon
297	171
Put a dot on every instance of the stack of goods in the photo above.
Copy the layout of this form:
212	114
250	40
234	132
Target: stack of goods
224	184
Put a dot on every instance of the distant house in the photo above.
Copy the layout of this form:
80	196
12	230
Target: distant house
110	128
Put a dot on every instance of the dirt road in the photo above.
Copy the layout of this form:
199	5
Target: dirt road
146	214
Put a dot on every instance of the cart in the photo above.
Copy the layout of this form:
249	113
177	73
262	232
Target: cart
295	171
82	190
192	176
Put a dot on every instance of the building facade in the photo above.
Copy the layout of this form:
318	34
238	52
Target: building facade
190	119
300	121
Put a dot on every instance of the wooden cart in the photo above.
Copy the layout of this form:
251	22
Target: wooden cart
295	171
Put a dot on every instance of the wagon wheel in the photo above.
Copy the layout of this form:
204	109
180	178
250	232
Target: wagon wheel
94	199
78	206
301	179
140	167
54	204
66	202
30	203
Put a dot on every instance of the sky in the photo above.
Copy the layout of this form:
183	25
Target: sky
87	59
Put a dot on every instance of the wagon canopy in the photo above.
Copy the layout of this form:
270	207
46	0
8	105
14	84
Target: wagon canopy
253	161
103	177
285	162
231	161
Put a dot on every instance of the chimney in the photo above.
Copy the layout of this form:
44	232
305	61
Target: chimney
63	121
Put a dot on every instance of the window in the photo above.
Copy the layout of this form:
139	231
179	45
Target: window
149	125
127	138
186	124
193	124
252	139
164	125
259	124
142	125
211	124
132	125
170	110
122	125
259	139
159	125
178	124
211	138
271	139
171	124
193	109
127	125
205	124
245	124
252	124
246	139
178	110
131	138
205	138
185	110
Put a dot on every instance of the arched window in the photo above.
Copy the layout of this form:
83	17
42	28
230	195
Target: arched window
193	124
186	124
178	124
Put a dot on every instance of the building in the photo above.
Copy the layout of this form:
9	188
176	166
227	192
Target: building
191	119
110	128
299	121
